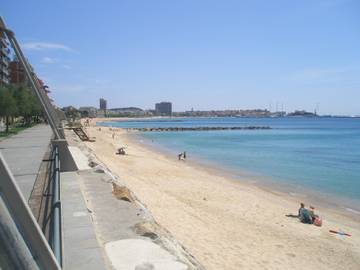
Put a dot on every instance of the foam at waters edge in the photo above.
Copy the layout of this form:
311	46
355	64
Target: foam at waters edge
352	211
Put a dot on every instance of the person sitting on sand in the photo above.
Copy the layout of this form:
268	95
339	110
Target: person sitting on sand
304	214
121	151
312	212
302	206
316	219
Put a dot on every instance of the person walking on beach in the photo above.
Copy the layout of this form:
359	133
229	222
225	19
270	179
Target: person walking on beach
184	155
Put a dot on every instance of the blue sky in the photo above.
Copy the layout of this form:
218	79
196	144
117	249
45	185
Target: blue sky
195	53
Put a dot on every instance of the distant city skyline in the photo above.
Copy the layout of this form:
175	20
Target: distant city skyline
197	54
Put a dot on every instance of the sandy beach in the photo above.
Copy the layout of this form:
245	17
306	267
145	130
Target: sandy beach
224	223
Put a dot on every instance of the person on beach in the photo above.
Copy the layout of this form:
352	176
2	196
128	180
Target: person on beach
302	206
182	156
305	214
312	212
113	135
316	219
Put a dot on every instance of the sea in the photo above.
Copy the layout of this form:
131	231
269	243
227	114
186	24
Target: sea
315	157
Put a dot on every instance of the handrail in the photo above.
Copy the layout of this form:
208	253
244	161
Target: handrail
55	239
24	224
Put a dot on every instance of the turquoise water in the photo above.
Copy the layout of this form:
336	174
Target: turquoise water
321	154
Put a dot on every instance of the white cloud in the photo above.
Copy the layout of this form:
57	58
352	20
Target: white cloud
38	46
48	60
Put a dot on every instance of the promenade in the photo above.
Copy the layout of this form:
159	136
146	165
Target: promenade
103	228
24	153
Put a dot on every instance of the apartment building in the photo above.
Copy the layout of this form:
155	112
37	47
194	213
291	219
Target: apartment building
4	60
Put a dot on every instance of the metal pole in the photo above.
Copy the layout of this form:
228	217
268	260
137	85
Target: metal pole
16	254
24	219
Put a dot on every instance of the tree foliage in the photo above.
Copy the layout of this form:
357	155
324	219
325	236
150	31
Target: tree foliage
19	102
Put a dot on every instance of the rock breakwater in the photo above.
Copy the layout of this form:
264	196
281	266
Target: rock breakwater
164	129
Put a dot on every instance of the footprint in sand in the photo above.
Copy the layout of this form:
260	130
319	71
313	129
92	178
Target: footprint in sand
292	255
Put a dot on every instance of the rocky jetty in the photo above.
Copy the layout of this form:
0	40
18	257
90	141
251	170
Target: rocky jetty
161	129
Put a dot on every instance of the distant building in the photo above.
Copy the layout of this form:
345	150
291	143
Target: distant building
126	109
4	60
103	104
88	112
71	112
18	76
126	112
163	108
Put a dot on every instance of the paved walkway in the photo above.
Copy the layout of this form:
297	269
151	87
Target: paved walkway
24	153
97	205
81	248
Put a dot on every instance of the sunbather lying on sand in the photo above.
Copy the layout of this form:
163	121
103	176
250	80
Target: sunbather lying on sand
307	216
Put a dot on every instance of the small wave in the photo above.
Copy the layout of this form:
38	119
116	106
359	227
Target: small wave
353	211
294	194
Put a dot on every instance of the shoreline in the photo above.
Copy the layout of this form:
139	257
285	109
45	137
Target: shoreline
341	205
222	221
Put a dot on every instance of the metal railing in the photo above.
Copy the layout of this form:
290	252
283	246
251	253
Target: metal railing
55	236
22	243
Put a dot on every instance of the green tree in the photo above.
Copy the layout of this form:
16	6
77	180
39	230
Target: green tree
8	106
35	107
24	102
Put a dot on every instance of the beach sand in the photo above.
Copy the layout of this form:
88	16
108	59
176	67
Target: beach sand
223	222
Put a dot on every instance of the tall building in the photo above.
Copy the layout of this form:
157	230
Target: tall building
4	60
103	104
163	108
17	73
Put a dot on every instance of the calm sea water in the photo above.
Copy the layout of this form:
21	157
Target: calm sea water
319	154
